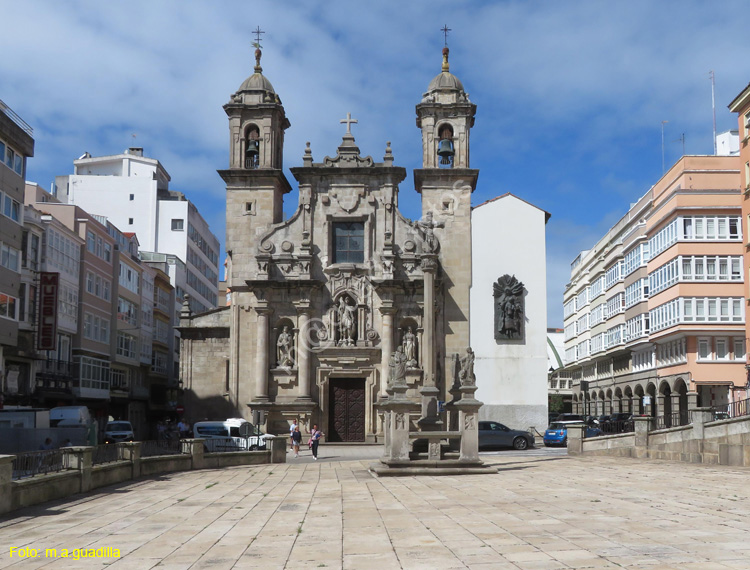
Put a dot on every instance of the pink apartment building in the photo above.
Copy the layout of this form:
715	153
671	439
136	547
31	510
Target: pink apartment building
655	311
741	106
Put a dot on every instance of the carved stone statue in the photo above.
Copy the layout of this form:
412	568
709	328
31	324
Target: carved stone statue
466	374
410	348
397	368
426	227
347	320
284	348
509	307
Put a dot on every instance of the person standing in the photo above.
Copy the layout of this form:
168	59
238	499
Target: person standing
294	426
296	440
315	436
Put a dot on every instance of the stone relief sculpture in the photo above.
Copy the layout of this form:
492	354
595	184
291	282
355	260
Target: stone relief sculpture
347	320
410	348
426	228
509	307
397	368
466	373
284	348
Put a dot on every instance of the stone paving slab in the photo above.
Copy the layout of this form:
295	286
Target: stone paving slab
537	513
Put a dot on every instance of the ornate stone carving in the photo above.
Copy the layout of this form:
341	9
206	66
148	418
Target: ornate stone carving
409	342
347	321
397	368
509	307
466	373
426	228
284	348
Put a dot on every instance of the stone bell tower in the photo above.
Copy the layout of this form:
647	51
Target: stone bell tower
255	181
445	115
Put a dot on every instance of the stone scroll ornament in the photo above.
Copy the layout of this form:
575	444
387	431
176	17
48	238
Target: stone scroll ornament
509	307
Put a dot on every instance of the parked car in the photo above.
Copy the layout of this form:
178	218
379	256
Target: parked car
557	433
229	435
569	418
118	431
494	434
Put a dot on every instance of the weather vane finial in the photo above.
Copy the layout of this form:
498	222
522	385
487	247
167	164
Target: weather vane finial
257	46
257	33
445	29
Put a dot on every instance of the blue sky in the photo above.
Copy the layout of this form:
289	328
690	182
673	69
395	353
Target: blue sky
570	95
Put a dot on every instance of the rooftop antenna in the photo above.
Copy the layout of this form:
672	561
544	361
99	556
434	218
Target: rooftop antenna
681	139
662	146
713	103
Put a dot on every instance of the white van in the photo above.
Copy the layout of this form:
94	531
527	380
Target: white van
68	416
233	434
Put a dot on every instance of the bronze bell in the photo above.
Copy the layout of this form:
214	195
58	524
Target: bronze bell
252	147
445	151
252	153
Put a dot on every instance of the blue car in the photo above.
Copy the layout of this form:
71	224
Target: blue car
557	433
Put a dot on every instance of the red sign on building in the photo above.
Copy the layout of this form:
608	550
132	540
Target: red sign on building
49	283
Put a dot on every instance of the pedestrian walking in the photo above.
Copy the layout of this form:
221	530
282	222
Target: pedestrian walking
296	440
315	436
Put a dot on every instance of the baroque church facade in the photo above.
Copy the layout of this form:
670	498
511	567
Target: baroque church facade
323	302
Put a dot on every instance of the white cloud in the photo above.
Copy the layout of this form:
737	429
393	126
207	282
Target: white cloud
570	95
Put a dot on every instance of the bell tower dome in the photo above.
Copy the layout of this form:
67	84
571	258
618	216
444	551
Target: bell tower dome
255	179
445	116
257	122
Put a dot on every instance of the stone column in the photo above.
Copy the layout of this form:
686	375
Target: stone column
429	267
6	490
659	405
430	419
303	354
80	458
692	398
575	439
387	348
699	417
635	405
261	354
676	411
641	436
131	451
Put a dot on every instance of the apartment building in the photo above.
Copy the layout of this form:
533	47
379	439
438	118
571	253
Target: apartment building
132	191
654	311
106	337
741	106
16	146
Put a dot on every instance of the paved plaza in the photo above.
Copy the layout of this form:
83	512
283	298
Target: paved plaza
542	511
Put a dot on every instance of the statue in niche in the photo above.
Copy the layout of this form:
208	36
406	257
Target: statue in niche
466	373
509	307
410	348
284	348
347	321
397	368
426	228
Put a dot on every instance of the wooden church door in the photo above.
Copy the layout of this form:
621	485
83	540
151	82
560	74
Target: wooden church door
346	421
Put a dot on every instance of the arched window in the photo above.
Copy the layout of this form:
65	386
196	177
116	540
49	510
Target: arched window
446	151
252	147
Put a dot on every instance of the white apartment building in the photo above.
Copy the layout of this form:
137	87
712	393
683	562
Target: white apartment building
132	192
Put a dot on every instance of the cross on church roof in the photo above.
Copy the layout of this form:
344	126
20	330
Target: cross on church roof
348	122
257	33
445	29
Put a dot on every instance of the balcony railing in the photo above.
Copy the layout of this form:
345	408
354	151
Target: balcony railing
732	410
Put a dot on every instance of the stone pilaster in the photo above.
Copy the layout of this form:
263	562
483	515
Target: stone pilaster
303	353
387	348
261	354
